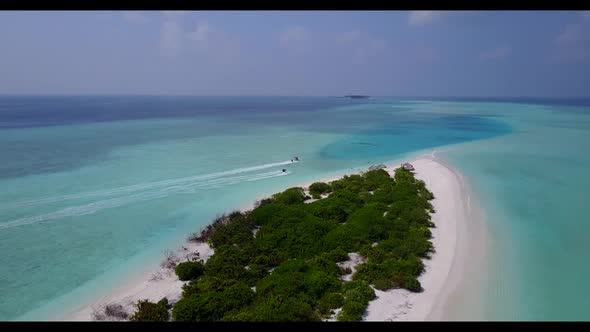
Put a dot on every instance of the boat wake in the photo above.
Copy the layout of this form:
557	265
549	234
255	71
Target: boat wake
121	196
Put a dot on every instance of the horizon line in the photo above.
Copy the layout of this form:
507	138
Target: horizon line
280	95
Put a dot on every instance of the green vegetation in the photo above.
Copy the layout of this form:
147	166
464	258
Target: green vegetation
357	295
318	188
151	312
289	270
290	196
211	299
189	270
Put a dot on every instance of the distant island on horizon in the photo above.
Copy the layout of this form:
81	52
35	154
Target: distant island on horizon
352	96
356	96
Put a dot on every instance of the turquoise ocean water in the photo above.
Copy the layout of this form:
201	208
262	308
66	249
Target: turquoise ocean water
94	190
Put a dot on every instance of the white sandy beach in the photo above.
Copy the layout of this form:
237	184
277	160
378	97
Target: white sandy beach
153	286
449	205
393	305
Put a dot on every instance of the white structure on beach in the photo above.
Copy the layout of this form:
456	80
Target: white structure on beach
408	167
375	167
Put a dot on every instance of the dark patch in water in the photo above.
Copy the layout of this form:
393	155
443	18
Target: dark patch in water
411	134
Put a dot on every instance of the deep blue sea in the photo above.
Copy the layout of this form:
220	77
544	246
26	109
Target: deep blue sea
94	189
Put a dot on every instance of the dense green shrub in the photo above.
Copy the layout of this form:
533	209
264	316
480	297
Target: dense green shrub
189	270
194	308
263	202
207	284
329	209
275	213
412	284
353	183
254	273
281	283
151	312
317	283
383	284
337	255
384	219
290	196
212	305
381	195
330	301
281	308
318	188
244	315
352	311
358	291
399	272
366	225
357	295
348	200
237	295
290	240
324	264
376	179
237	229
227	263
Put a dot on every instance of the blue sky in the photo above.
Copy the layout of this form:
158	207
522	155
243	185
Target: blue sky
395	53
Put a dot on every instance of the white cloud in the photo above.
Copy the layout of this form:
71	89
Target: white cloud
171	34
201	32
135	17
576	31
293	35
171	38
370	48
360	45
296	39
573	42
423	17
425	54
495	54
173	14
210	44
350	36
217	45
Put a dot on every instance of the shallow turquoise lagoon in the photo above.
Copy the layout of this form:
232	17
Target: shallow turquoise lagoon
87	200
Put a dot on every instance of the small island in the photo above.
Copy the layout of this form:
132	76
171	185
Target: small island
307	255
357	96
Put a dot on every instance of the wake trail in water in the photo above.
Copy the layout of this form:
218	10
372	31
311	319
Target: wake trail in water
143	186
143	192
